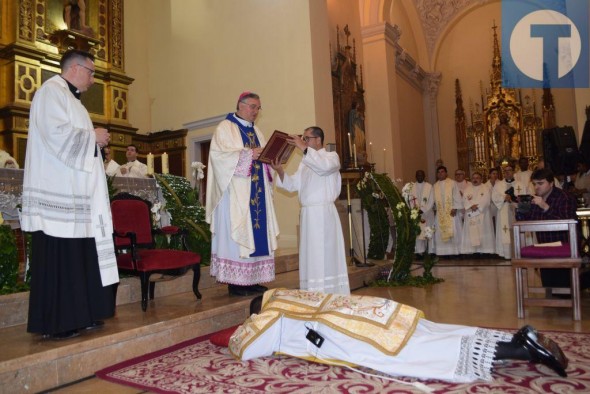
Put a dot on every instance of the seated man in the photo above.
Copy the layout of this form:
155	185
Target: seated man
551	203
383	335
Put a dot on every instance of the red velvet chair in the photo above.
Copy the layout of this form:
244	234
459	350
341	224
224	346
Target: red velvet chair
134	246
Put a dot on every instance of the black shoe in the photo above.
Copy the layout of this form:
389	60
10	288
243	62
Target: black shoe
541	349
95	324
62	335
259	288
241	291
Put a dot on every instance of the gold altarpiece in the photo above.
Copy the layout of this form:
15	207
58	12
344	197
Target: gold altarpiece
33	36
503	128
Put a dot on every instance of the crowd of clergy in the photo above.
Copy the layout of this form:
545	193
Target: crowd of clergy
473	217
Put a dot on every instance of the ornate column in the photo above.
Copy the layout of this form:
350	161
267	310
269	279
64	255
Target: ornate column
431	84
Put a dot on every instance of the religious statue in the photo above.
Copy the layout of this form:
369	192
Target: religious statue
75	16
356	126
505	138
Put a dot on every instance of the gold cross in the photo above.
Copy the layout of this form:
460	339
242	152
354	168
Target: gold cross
505	228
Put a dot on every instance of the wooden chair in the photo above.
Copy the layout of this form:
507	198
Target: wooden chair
134	245
533	257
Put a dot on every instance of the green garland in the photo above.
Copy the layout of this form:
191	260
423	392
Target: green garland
377	191
187	212
9	263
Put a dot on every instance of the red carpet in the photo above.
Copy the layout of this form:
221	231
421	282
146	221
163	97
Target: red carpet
198	366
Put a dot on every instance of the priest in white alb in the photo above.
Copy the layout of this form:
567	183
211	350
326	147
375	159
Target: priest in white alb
478	230
419	195
448	223
322	257
504	196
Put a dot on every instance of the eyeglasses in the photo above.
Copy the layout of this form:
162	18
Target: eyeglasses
252	106
306	138
87	68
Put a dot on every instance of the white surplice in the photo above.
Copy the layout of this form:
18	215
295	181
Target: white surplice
322	255
448	233
111	168
135	169
478	231
421	197
64	188
506	215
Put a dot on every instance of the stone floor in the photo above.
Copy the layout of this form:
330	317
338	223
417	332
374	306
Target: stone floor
474	293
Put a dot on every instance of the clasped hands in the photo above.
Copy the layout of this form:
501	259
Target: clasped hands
102	136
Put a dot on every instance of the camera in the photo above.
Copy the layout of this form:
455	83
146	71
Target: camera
524	203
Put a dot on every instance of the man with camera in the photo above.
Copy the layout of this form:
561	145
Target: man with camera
551	203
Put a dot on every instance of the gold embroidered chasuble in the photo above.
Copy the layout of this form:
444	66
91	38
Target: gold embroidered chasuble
384	324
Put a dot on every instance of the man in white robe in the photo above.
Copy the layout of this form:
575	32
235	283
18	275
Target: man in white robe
66	207
478	231
506	205
493	176
420	196
110	166
133	168
383	335
239	203
449	225
322	255
7	161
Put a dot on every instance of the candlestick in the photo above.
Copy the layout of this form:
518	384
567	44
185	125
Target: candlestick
354	154
370	152
349	146
150	164
165	168
384	160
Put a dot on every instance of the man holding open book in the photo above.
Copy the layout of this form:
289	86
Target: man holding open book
322	258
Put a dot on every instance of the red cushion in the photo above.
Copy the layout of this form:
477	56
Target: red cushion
547	252
155	259
221	338
170	230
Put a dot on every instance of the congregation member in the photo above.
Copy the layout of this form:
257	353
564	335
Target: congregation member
582	182
322	256
478	231
7	161
552	203
239	203
420	197
110	166
65	207
383	335
504	197
448	224
133	168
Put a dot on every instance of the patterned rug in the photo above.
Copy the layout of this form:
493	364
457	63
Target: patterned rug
198	366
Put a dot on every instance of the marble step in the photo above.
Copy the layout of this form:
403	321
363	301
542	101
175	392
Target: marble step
31	364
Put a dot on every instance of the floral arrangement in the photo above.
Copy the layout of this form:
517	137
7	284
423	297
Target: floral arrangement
185	210
379	194
8	260
374	203
198	175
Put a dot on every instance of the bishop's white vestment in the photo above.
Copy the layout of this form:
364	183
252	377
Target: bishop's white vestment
230	181
421	197
322	255
478	230
449	229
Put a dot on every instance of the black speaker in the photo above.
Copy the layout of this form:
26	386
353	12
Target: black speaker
560	150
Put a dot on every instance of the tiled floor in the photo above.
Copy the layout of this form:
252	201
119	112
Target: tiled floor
472	294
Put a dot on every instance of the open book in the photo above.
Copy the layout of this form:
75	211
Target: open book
277	148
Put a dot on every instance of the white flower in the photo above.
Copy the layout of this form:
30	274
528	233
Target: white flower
414	214
428	232
400	205
156	210
198	167
376	195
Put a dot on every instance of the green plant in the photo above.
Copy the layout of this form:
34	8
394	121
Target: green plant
378	192
186	212
8	262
